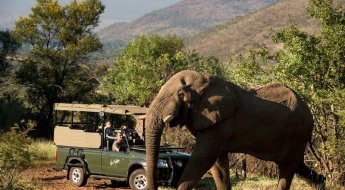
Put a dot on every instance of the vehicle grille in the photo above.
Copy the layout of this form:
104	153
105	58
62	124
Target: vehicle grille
178	166
164	174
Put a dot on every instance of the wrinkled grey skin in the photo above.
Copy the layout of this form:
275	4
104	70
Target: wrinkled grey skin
270	123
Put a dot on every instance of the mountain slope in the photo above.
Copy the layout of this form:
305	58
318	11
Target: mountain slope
250	32
185	19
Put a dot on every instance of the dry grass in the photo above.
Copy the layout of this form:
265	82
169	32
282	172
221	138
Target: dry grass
251	183
43	152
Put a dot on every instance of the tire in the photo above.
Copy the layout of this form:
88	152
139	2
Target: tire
138	180
77	176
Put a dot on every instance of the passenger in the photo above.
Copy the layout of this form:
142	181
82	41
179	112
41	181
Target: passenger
118	145
108	133
126	129
131	134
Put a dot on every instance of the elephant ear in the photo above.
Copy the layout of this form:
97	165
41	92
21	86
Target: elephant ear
217	103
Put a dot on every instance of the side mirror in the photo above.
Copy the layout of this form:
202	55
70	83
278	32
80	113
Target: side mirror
127	150
101	115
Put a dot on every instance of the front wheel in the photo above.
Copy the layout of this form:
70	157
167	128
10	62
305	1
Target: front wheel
77	176
137	180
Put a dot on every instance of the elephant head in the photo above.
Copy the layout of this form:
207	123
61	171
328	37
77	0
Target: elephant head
188	98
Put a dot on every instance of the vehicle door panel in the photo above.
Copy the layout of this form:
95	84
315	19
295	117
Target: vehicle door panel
115	163
94	160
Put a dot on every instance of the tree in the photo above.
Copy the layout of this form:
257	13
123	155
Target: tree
60	39
8	46
11	109
147	63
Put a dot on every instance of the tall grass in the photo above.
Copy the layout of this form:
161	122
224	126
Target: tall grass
43	152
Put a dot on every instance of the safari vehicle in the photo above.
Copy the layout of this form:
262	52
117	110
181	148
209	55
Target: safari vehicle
82	149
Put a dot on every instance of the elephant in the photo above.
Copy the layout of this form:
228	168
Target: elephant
270	122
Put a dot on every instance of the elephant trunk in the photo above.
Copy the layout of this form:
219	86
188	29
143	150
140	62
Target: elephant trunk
153	134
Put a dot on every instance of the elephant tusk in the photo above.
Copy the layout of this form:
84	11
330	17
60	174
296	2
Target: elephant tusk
168	118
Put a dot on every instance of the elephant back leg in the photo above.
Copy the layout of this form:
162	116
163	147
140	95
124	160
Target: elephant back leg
287	169
288	166
311	177
220	172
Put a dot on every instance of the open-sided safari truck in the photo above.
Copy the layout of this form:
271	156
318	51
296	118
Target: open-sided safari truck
84	151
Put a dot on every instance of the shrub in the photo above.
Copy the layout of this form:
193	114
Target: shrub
14	157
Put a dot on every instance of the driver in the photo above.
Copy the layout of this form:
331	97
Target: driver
132	136
127	131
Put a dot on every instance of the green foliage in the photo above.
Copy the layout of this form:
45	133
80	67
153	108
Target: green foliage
61	39
143	65
14	157
8	46
208	65
147	63
10	106
179	137
250	71
315	60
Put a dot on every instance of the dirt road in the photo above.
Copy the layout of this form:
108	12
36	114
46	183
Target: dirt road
47	178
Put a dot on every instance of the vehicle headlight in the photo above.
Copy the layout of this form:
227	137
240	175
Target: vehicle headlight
162	163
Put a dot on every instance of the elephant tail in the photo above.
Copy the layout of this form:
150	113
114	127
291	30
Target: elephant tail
311	177
313	151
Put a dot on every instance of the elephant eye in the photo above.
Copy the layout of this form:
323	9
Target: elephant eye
180	95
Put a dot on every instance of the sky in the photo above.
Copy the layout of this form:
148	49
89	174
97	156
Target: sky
115	10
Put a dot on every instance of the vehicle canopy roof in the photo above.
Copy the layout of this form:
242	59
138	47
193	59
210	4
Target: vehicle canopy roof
114	109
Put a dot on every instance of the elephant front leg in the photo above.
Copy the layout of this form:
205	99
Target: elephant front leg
220	172
286	173
206	151
198	164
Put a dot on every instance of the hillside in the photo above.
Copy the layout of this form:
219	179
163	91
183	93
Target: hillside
242	34
185	19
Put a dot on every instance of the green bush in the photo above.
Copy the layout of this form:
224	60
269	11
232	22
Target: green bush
14	158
